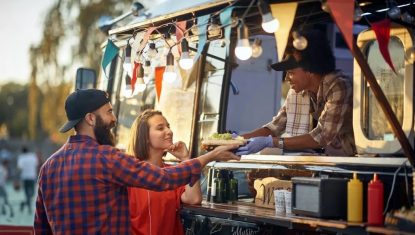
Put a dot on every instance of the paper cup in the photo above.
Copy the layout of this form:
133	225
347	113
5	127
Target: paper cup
287	198
279	196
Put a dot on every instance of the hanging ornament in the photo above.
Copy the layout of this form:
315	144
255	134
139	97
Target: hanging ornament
358	12
394	12
257	48
410	55
300	43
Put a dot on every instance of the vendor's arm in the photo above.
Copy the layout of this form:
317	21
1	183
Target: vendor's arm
298	142
274	128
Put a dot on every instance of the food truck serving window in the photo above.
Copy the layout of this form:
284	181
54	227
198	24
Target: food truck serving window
374	124
373	133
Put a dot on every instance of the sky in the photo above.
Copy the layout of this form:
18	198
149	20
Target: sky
21	26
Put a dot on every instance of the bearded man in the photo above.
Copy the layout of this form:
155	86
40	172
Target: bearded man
83	186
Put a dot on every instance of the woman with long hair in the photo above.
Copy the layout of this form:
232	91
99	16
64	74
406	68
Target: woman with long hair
157	212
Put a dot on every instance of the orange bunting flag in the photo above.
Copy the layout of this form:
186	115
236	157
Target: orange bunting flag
342	12
158	79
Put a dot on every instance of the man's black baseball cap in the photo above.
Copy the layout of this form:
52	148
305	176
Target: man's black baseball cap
81	102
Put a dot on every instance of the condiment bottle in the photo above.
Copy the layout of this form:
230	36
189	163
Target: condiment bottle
375	202
354	200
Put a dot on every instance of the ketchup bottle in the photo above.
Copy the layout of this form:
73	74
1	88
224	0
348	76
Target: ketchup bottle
375	202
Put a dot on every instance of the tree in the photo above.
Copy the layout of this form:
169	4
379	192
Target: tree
73	23
13	109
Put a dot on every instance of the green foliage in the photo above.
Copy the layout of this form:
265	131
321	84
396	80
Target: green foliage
52	79
13	108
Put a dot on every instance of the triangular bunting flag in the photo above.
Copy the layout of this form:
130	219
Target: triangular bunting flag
226	19
158	80
285	13
180	28
111	50
342	12
382	32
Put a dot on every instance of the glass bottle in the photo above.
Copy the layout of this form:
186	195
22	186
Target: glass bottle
233	188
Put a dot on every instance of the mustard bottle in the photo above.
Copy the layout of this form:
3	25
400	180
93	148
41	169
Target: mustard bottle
354	200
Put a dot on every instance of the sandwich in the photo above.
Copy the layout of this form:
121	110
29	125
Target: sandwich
222	139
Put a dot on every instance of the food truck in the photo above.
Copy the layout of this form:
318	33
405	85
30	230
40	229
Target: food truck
206	66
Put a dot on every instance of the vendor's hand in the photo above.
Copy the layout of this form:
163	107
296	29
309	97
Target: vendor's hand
255	144
179	150
224	153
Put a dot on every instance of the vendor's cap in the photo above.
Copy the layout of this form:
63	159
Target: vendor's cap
81	102
317	57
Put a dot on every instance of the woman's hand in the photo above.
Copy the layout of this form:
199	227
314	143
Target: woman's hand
179	150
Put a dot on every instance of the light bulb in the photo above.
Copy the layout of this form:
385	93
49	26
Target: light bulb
214	28
410	55
194	29
185	61
300	42
152	51
269	23
243	50
257	48
408	18
394	12
169	74
325	6
357	14
140	87
127	67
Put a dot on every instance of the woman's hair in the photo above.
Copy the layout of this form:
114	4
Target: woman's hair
140	135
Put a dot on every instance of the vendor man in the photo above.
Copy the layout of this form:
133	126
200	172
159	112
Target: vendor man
312	70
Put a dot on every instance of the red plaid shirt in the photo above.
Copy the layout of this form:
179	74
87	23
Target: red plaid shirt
83	187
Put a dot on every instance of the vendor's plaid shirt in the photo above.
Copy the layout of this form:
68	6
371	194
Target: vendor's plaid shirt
332	107
83	187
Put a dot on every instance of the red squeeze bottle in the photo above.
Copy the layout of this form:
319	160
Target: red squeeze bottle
375	202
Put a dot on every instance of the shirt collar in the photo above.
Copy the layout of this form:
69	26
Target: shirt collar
82	139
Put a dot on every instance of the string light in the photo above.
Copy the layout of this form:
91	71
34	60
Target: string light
214	28
169	73
324	6
185	61
300	42
152	51
140	86
394	12
127	60
257	48
410	55
269	23
358	12
243	50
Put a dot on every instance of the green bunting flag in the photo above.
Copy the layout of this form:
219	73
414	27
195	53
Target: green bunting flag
111	50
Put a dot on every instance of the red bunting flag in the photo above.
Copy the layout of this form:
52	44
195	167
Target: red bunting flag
382	32
342	12
134	75
180	28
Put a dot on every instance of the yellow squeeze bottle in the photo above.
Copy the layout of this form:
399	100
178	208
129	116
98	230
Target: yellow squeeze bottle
354	200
